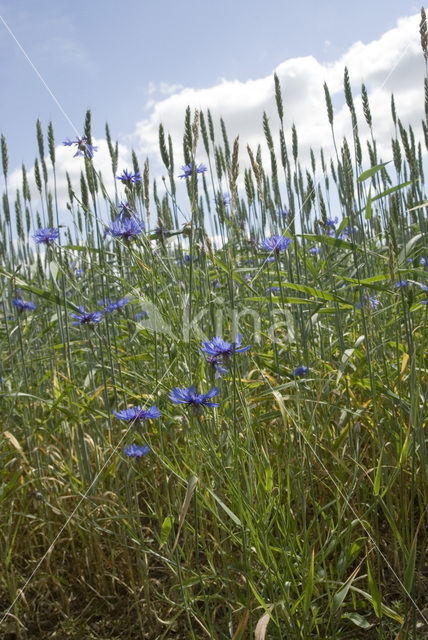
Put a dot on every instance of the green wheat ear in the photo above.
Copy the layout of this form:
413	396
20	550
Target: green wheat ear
423	30
195	132
37	176
329	104
162	146
40	142
87	127
146	181
51	143
226	141
204	133
6	208
18	219
295	142
366	106
187	138
211	126
4	157
278	97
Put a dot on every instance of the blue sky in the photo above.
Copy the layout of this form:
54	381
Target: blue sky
116	57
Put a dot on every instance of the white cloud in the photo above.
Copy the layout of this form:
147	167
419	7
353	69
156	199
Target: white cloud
393	63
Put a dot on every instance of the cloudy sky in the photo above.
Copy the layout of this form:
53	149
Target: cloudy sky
140	63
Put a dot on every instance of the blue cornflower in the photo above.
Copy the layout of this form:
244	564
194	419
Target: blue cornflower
192	398
346	232
83	148
373	302
401	284
220	352
276	244
215	283
90	317
283	214
218	348
332	222
225	198
314	251
128	178
299	372
127	229
422	262
23	306
135	451
187	170
77	272
274	289
143	315
113	306
46	236
137	414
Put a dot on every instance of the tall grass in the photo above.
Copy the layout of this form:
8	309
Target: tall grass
297	508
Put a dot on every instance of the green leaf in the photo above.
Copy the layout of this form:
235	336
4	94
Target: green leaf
268	479
332	242
378	477
230	513
369	205
309	585
366	282
392	190
316	293
165	530
260	599
191	486
358	620
340	595
371	172
384	609
375	593
409	246
346	357
410	569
